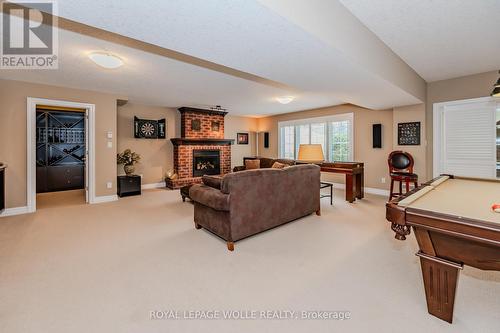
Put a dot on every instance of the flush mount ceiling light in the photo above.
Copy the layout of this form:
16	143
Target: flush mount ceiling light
285	99
496	89
106	60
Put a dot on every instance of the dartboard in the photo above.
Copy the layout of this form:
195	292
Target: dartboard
147	129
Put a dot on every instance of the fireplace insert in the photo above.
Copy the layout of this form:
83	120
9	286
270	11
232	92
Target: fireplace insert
206	162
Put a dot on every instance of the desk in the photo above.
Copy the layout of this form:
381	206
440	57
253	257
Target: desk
354	177
454	226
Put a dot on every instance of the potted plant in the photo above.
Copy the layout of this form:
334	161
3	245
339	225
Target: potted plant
128	159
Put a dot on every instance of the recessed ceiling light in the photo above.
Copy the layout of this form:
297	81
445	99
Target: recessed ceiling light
285	99
106	60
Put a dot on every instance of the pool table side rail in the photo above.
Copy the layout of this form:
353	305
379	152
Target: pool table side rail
475	230
396	214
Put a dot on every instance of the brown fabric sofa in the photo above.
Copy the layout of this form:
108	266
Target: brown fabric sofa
252	201
266	163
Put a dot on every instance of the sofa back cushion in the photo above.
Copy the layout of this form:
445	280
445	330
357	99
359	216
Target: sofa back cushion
252	164
278	165
266	162
285	161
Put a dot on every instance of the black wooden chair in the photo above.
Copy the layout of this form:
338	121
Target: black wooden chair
401	170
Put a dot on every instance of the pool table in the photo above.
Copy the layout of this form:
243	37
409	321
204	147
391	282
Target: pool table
455	225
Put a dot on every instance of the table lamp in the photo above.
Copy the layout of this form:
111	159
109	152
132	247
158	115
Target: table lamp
311	153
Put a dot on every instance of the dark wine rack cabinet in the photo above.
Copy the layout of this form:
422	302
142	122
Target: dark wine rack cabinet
60	150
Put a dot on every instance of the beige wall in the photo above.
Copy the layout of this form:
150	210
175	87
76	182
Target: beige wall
234	125
410	114
156	154
13	95
467	87
375	159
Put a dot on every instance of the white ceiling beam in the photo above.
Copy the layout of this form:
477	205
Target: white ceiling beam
334	24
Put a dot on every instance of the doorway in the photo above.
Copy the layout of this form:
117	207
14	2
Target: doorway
60	139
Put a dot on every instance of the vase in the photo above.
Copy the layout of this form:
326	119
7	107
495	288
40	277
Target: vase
129	169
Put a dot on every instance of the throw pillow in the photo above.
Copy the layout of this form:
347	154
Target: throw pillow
278	165
212	181
252	164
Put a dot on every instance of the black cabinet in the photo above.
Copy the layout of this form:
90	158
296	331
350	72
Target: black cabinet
129	185
60	178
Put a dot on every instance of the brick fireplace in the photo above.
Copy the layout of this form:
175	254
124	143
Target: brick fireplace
201	149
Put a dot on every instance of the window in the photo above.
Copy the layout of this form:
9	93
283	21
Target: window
334	133
287	146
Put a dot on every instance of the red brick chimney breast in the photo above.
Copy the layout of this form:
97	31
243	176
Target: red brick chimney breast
200	130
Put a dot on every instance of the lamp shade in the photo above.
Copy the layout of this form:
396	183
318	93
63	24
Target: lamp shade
311	153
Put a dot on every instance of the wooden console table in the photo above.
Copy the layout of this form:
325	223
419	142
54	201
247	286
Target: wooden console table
354	177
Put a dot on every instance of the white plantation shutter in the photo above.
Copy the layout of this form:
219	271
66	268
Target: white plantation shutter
468	140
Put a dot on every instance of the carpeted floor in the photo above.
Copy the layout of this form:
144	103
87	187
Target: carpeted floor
72	267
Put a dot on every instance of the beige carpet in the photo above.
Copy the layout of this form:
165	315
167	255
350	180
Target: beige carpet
103	268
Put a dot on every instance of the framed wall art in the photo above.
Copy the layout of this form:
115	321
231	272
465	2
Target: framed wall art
215	126
242	138
196	125
409	134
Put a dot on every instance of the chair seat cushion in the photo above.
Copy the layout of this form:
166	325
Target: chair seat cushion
404	175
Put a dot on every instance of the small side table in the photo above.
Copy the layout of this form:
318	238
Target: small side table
326	185
185	192
129	185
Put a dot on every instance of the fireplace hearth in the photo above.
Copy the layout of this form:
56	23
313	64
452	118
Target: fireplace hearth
206	162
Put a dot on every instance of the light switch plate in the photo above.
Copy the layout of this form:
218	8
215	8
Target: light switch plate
109	185
110	135
110	144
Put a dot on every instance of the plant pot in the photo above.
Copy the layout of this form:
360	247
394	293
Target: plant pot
129	169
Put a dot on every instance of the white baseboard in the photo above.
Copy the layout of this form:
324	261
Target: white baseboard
154	185
370	190
105	198
377	191
15	211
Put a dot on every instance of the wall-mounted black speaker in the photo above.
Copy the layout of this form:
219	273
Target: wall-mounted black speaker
266	139
377	135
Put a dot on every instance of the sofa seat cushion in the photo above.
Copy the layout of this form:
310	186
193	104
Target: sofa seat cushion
210	197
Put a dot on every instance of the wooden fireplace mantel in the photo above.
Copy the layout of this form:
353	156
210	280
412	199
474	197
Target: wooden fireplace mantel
201	141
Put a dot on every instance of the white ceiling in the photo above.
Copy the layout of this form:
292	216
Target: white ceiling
155	80
438	39
240	34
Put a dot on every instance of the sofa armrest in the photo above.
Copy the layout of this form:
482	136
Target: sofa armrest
239	168
209	197
212	181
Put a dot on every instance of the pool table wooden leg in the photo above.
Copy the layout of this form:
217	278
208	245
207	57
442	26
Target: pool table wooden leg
440	282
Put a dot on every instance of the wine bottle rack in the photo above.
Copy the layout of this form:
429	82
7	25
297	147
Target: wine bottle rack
60	150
